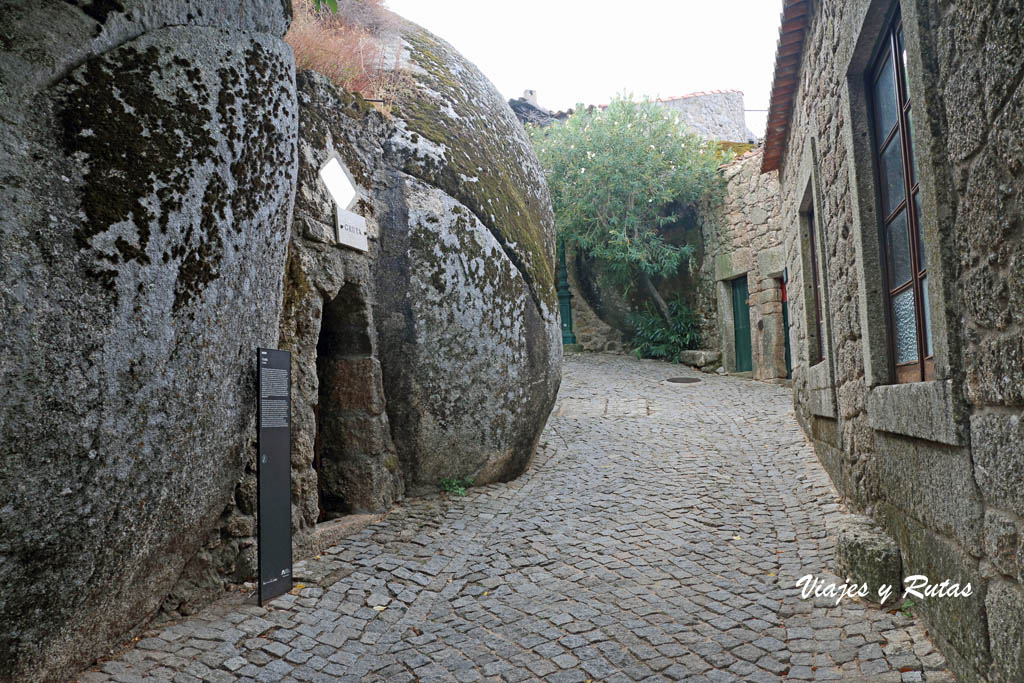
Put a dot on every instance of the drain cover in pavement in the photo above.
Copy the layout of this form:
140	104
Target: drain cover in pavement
682	380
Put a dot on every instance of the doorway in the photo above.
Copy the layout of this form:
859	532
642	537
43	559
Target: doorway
741	324
343	348
785	328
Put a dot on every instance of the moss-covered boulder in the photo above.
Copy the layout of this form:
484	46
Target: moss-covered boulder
148	154
468	321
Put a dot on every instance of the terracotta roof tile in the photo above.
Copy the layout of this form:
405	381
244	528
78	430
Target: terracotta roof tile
699	93
788	55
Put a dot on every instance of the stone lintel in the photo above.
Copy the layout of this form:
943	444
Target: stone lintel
733	264
771	262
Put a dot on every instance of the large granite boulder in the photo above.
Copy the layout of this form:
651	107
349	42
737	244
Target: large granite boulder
433	266
466	308
148	156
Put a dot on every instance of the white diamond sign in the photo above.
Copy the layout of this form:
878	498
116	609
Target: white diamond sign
351	227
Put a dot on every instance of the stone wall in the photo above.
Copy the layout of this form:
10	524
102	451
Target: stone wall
592	333
744	237
343	458
939	464
715	115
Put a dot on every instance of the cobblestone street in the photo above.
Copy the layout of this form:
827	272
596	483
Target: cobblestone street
658	535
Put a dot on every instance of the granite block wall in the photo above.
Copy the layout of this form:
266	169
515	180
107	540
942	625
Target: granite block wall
939	464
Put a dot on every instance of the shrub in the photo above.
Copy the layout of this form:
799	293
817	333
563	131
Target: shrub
656	338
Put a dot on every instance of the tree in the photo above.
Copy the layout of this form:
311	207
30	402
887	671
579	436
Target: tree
617	177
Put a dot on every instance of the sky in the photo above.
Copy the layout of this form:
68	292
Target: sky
573	51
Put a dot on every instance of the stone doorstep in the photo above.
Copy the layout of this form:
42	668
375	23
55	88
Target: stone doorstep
700	358
330	533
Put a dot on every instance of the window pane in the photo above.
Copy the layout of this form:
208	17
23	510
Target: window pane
817	351
903	58
890	167
920	234
910	136
898	242
904	324
927	318
886	108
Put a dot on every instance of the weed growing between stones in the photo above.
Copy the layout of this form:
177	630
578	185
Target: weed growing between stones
455	486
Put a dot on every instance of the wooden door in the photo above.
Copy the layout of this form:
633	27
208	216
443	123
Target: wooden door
785	328
741	324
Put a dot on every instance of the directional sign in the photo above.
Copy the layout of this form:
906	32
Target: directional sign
351	227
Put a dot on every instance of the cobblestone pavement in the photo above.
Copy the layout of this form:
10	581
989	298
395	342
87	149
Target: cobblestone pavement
657	536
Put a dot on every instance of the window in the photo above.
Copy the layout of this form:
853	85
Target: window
905	268
817	342
819	376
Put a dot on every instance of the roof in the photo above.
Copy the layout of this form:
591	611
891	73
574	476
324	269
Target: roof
795	17
699	93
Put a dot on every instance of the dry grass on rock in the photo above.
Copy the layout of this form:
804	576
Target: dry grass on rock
358	49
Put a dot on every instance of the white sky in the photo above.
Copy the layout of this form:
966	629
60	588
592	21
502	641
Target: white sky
573	51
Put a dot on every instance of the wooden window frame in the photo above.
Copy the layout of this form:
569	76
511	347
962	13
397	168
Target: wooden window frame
889	53
819	348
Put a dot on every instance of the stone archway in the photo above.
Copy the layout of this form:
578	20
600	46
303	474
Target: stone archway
343	457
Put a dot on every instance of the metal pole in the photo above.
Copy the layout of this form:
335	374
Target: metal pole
564	297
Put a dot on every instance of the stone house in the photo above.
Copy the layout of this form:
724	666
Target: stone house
895	129
741	282
715	114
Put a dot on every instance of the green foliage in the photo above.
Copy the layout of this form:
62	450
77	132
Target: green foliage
656	338
331	4
618	176
906	607
456	486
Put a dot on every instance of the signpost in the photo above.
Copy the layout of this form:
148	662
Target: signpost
274	472
350	226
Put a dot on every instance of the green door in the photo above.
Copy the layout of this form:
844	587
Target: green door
741	323
785	328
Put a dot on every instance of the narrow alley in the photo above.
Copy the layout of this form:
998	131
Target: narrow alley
658	535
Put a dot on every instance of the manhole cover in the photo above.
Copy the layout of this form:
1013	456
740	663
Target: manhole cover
682	380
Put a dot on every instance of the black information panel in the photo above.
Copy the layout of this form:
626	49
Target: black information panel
274	471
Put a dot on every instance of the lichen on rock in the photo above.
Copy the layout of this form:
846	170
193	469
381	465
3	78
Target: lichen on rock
467	317
128	249
488	164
